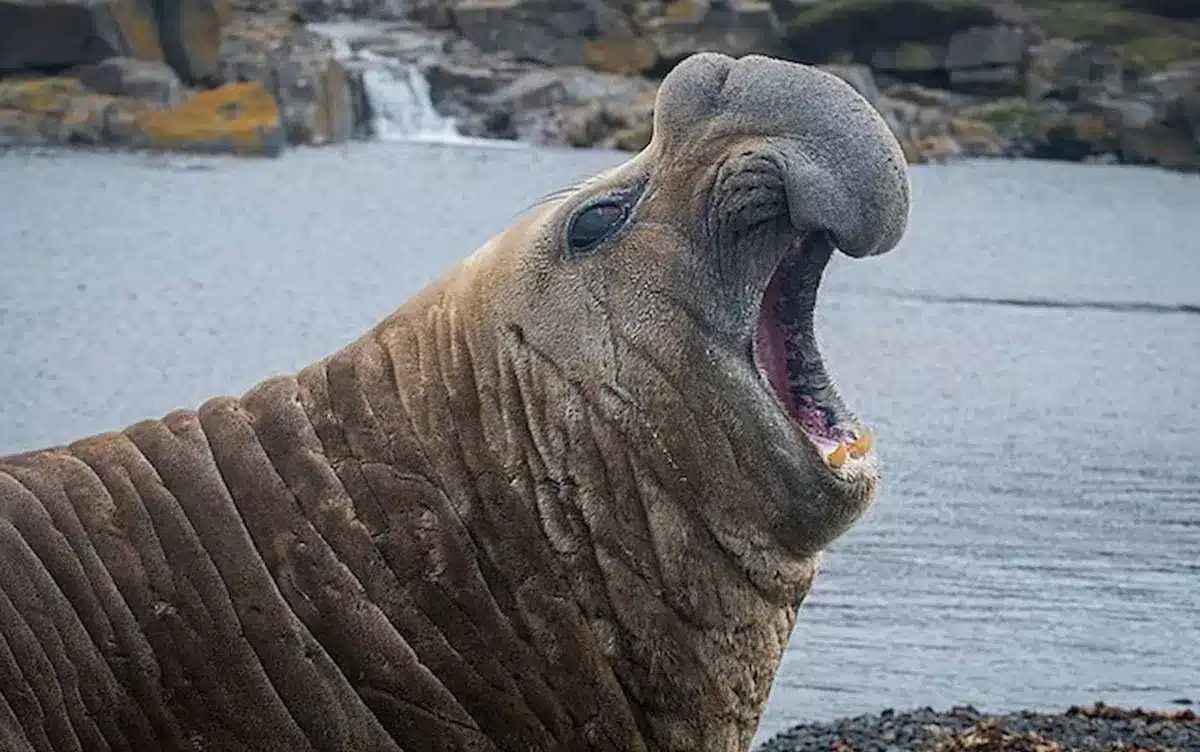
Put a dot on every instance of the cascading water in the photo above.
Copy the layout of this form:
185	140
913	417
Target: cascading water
400	105
396	91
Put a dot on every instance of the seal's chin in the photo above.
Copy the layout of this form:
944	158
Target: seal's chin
787	358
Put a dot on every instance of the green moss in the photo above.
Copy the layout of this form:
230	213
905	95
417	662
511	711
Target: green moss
1144	41
1156	53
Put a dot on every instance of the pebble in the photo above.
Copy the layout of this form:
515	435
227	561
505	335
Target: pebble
1100	728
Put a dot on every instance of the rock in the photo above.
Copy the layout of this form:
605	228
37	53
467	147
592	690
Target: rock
903	35
317	11
1159	144
563	107
152	82
20	128
736	28
53	35
1068	70
551	32
190	32
534	91
858	76
623	54
62	111
1074	137
240	119
930	149
1182	9
987	46
318	99
911	58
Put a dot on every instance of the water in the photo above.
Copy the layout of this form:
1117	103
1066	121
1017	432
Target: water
1036	542
397	93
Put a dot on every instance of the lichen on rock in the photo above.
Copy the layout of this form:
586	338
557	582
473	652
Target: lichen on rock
240	119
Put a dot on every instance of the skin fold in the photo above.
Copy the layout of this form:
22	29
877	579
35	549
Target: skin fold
547	504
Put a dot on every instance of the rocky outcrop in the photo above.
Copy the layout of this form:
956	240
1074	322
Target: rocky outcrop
240	119
734	27
237	119
52	35
151	82
952	77
320	101
550	32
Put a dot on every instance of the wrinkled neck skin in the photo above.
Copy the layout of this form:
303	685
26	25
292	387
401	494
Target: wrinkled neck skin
559	525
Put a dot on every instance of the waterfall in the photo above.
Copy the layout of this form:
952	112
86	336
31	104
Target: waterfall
397	93
400	106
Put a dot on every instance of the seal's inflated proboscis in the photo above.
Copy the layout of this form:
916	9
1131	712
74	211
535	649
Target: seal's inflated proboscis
568	497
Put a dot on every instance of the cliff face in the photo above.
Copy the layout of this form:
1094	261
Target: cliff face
1115	80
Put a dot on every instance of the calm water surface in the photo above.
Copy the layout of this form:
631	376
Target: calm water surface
1027	358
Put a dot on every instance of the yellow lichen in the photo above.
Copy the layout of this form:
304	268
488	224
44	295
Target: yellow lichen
683	10
914	56
237	119
623	54
46	95
136	21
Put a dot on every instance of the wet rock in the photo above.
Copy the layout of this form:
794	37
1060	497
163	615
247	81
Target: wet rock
53	35
551	32
240	119
318	99
734	27
152	82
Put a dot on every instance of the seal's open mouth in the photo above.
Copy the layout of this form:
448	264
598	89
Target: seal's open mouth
786	354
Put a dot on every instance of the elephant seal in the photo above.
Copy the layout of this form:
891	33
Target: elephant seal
567	497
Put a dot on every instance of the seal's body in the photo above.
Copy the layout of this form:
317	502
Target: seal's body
569	497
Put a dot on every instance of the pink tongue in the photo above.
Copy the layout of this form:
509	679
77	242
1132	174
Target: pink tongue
772	346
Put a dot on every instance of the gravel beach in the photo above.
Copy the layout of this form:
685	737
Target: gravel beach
1099	728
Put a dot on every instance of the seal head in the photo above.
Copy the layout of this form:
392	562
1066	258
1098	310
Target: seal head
681	285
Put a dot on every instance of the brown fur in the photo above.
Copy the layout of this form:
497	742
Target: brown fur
545	505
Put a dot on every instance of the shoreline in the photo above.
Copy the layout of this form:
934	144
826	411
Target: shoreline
1110	81
1100	727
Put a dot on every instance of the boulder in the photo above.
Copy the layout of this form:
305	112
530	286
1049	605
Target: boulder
1181	9
988	58
62	111
897	35
562	107
858	76
240	119
190	32
319	101
54	35
152	82
1068	70
550	32
736	28
987	46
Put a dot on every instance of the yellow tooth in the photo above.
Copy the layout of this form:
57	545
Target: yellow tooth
861	445
837	457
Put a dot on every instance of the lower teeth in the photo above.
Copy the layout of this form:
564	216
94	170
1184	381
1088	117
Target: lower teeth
834	442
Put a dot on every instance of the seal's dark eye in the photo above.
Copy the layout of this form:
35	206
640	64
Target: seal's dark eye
596	223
